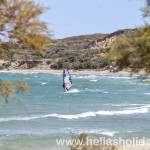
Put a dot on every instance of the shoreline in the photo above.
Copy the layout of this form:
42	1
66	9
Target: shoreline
90	72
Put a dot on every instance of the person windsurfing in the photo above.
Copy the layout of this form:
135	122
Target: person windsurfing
67	81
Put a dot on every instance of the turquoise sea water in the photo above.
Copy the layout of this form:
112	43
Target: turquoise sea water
101	105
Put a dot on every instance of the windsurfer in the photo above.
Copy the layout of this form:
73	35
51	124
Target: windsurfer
67	81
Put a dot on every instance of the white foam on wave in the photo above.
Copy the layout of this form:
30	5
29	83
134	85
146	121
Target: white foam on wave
137	110
121	77
73	91
146	93
91	131
95	76
109	133
43	83
105	92
92	77
93	80
146	80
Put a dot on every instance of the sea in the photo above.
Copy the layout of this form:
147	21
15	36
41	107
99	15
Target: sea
108	106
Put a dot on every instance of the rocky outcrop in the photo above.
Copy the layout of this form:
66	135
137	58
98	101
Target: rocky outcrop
104	43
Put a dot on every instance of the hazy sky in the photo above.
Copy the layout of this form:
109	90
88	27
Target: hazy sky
78	17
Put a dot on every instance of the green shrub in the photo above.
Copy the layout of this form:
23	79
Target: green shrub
59	65
76	66
54	66
48	62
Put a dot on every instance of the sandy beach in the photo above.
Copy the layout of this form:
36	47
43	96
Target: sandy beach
97	72
134	147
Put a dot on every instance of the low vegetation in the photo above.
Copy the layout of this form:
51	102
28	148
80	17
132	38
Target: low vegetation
20	25
98	146
9	90
133	52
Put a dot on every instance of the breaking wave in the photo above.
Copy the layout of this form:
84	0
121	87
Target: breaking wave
137	110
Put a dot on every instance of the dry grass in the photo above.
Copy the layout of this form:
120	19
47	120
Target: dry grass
83	138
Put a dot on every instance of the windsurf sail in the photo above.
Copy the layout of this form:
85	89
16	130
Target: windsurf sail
67	81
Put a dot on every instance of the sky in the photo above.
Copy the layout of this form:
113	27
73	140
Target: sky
80	17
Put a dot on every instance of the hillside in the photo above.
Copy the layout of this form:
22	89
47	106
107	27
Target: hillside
78	52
